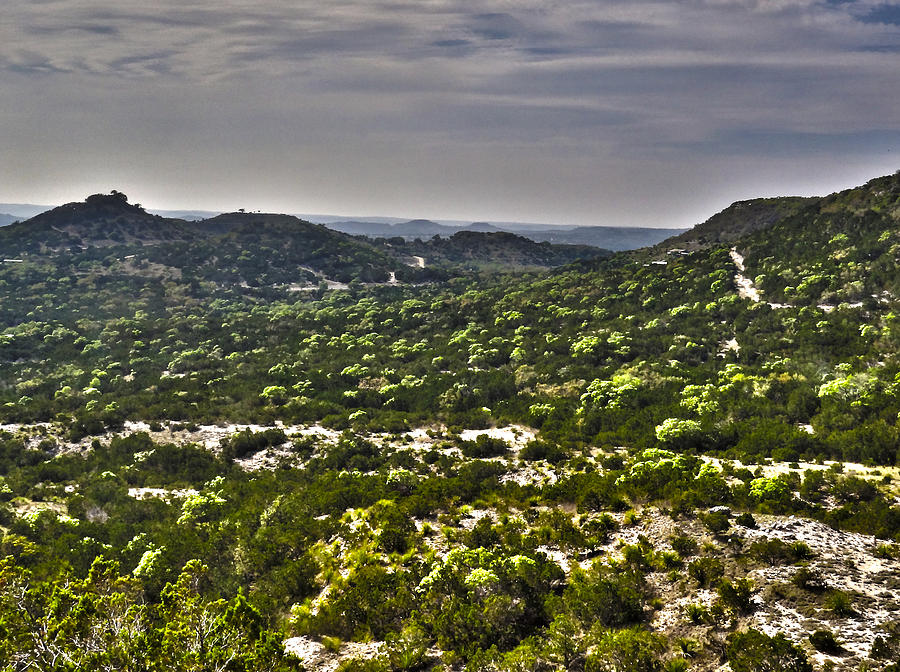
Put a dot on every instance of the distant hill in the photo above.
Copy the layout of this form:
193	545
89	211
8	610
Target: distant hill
236	248
499	250
606	237
102	220
23	210
616	238
106	239
187	215
416	228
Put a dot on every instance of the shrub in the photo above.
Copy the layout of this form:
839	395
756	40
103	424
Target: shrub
705	571
363	665
840	603
605	595
697	613
771	551
684	546
542	450
754	651
716	522
668	560
737	595
332	644
676	665
629	650
808	579
746	519
824	641
484	446
246	442
406	650
800	550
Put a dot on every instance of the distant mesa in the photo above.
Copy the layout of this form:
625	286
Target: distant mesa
607	237
483	227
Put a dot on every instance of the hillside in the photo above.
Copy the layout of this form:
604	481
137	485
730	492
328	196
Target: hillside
628	463
736	221
102	220
842	248
480	251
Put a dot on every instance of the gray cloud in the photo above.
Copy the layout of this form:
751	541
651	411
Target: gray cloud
578	111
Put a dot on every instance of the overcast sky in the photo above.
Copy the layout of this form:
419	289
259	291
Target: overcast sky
649	113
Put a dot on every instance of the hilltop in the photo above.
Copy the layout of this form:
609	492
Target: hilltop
102	220
736	221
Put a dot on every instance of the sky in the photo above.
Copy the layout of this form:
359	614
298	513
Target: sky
577	112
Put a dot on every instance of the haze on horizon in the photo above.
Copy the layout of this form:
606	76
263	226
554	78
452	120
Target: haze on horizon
651	113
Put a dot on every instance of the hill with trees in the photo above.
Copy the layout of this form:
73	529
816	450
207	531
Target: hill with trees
485	251
633	462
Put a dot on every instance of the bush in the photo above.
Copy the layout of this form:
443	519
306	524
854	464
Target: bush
629	650
684	546
824	641
772	551
716	522
800	550
840	603
363	665
332	644
602	594
485	446
407	650
808	579
697	613
542	450
737	595
754	651
746	519
706	571
246	442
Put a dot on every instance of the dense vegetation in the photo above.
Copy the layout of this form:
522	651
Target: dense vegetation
479	251
656	393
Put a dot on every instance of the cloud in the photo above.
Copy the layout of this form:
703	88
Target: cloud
884	13
568	86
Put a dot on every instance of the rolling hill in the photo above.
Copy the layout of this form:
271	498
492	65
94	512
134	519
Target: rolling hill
605	237
634	462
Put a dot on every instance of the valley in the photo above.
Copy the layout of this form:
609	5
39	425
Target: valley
277	447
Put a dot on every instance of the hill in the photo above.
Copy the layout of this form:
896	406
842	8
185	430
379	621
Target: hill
841	248
737	221
23	210
613	238
603	237
480	251
684	461
110	241
100	221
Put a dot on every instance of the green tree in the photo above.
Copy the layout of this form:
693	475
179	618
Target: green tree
754	651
